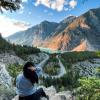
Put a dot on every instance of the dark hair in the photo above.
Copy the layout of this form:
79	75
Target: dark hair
31	75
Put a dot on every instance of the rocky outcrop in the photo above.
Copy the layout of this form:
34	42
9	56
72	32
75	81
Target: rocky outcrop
6	90
8	58
87	68
37	58
12	58
5	78
53	95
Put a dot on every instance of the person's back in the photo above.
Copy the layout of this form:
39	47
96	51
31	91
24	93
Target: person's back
23	86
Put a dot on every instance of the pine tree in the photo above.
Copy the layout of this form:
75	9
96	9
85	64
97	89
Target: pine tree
11	5
0	36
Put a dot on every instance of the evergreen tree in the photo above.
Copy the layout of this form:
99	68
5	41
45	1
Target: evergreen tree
11	5
0	35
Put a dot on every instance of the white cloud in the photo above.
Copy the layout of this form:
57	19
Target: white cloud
43	2
73	3
56	4
9	26
24	0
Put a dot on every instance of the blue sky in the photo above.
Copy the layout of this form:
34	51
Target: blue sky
33	12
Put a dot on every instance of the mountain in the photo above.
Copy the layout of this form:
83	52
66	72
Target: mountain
63	24
35	34
38	33
72	34
81	34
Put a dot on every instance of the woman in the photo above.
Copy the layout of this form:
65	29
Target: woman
25	84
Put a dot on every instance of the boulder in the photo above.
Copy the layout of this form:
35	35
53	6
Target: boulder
53	95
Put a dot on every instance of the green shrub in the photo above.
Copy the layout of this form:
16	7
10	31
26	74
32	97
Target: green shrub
14	69
89	89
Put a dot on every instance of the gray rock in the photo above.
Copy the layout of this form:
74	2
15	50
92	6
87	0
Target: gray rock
8	58
53	95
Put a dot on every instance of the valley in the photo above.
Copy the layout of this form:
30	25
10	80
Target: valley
62	70
67	52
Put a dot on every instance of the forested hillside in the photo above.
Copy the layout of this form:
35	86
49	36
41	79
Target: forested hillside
19	50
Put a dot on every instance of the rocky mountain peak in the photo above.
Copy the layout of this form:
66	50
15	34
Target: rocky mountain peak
50	34
48	22
69	19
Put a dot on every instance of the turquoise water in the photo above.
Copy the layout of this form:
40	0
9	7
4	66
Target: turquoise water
49	50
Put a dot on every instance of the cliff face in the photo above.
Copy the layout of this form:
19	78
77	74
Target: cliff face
34	35
82	34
